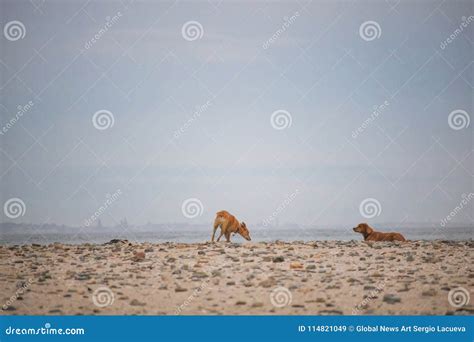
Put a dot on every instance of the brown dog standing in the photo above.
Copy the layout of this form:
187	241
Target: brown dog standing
229	224
371	235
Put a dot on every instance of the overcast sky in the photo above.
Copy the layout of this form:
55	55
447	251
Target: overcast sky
191	88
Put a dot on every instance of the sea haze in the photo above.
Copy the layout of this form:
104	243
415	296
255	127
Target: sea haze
13	234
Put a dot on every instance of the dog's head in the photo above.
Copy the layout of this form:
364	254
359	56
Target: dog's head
363	228
244	231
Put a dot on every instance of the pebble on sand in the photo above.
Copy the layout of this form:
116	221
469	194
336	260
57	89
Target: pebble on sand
296	265
138	256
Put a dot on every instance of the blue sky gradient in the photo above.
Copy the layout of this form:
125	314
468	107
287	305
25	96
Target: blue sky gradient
319	69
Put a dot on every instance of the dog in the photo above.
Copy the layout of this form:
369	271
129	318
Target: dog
371	235
229	224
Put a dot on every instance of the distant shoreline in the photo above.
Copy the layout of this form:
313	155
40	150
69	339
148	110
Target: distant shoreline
236	241
186	235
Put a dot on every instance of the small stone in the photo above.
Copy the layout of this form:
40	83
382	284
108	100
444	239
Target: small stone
114	241
278	259
296	265
391	299
330	312
200	275
136	302
268	282
429	293
82	276
8	308
138	256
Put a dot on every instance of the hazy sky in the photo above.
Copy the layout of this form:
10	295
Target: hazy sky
192	107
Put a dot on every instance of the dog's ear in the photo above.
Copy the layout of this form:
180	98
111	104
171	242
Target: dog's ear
368	230
243	224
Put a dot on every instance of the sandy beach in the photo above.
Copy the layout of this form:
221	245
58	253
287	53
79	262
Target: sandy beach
300	278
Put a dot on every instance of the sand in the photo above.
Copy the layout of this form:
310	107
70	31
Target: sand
297	278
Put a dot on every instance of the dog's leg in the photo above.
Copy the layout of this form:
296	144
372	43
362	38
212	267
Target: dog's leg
217	223
220	236
214	232
227	237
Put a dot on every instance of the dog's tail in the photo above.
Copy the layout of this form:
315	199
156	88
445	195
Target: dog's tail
220	218
221	213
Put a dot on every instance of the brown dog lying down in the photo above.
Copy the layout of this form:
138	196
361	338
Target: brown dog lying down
229	224
371	235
